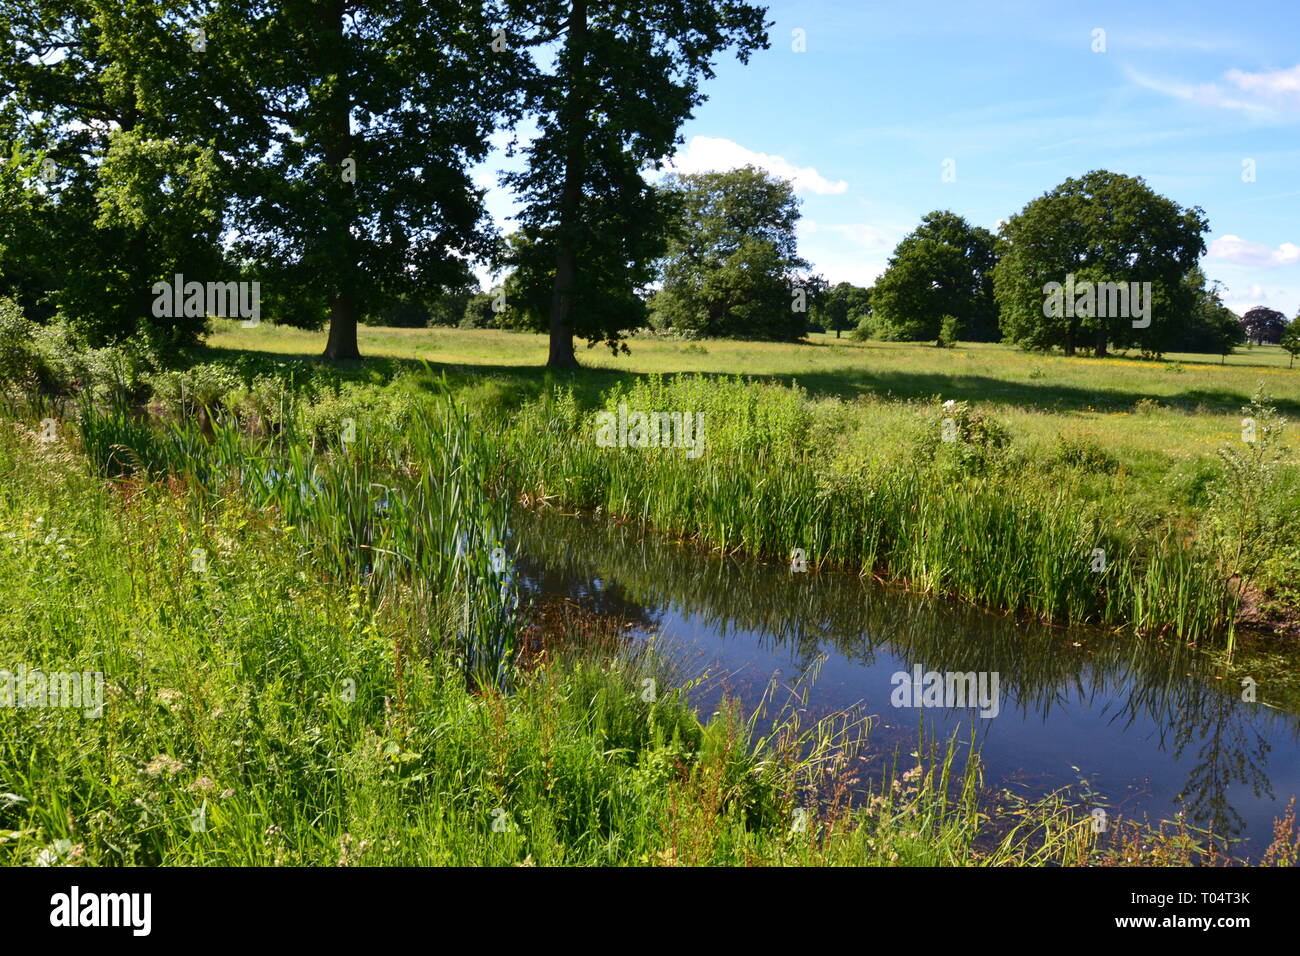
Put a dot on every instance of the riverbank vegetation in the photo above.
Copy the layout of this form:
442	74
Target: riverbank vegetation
288	682
313	649
311	653
1149	456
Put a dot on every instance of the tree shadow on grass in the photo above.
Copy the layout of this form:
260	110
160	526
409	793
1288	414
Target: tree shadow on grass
589	383
1044	396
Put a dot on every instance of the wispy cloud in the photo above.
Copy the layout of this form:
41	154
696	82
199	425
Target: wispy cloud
1281	88
705	153
1271	93
858	232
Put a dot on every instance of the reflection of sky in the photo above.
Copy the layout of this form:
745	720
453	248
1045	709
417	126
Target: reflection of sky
1128	754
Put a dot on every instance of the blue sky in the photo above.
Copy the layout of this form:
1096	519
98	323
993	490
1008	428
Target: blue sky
1014	95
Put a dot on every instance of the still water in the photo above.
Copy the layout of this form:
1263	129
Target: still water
1139	728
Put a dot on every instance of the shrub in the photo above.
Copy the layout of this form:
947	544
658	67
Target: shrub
1084	453
1249	514
23	366
949	329
199	392
963	439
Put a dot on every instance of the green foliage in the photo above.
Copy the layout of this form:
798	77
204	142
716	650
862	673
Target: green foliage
1209	326
616	253
949	516
479	312
1291	340
1085	453
448	308
842	307
1100	227
23	367
352	184
131	199
49	362
963	440
620	85
949	329
943	268
731	268
1248	513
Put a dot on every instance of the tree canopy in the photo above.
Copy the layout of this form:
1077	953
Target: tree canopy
624	78
1102	227
943	267
1291	340
109	187
842	306
732	267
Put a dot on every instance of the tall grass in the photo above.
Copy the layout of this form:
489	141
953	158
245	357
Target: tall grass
418	509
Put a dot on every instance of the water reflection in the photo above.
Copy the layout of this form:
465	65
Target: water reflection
1148	723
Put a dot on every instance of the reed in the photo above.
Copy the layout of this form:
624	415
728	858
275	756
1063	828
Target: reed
418	509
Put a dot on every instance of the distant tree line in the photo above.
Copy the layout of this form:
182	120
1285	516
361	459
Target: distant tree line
1101	262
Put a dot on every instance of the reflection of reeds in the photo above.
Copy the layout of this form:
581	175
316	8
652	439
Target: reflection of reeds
556	627
807	613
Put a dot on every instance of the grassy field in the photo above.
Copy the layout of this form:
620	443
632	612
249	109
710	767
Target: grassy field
1190	400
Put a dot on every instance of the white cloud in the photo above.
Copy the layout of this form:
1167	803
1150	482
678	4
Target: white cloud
1270	93
1281	298
707	154
1243	252
1283	85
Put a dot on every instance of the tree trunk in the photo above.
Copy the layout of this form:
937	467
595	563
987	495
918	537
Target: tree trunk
566	269
566	262
342	342
1099	348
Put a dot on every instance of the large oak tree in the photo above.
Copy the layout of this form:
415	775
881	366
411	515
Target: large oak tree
1100	227
348	128
943	267
94	95
624	76
732	267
